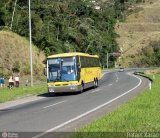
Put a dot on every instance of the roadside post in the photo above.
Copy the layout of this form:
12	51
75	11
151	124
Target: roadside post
112	54
150	85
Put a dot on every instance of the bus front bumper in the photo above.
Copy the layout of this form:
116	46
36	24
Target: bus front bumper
68	88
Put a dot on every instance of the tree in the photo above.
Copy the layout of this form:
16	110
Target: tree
2	14
67	25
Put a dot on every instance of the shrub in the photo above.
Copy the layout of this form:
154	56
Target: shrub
16	67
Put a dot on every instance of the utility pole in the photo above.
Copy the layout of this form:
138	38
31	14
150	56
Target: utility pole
111	54
13	13
30	44
107	59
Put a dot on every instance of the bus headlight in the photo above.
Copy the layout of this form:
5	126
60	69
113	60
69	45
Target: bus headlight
72	86
50	85
51	89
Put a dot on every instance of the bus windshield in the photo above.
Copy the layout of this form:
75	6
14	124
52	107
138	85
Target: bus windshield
62	69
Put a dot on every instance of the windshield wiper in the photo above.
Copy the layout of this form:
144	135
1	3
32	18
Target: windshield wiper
57	79
66	80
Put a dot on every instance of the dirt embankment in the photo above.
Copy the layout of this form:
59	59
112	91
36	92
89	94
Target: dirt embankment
14	55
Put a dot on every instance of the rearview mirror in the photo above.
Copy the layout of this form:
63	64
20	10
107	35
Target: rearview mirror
45	71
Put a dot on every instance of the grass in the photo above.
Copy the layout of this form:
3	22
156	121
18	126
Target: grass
7	94
141	114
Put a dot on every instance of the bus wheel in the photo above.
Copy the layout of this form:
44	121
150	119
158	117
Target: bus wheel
82	88
51	94
95	83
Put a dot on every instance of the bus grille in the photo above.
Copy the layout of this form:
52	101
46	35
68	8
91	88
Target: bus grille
61	84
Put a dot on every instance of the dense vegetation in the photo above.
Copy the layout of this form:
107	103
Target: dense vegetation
151	54
66	25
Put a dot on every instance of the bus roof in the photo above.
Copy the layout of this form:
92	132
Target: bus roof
72	54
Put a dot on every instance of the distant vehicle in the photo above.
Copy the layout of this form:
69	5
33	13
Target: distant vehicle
121	69
72	72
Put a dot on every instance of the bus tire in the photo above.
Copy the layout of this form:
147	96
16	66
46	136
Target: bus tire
51	94
82	88
95	83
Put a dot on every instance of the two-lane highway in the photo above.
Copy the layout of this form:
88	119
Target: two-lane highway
55	113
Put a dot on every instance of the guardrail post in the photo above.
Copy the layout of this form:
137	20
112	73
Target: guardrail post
150	85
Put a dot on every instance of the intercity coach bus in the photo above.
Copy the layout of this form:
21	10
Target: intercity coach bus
72	72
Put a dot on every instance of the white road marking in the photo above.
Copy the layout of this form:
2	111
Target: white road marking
92	110
54	104
110	84
116	77
95	91
104	73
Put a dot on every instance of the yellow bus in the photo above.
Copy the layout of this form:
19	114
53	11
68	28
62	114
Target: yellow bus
72	72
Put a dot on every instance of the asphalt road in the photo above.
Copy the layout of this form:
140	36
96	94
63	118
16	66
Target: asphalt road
69	111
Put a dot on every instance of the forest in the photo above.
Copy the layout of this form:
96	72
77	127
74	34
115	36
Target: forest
67	25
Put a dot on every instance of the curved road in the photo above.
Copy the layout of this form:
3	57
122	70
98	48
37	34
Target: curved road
67	112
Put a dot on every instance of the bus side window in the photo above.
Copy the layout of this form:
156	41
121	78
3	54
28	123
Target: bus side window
82	62
78	63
